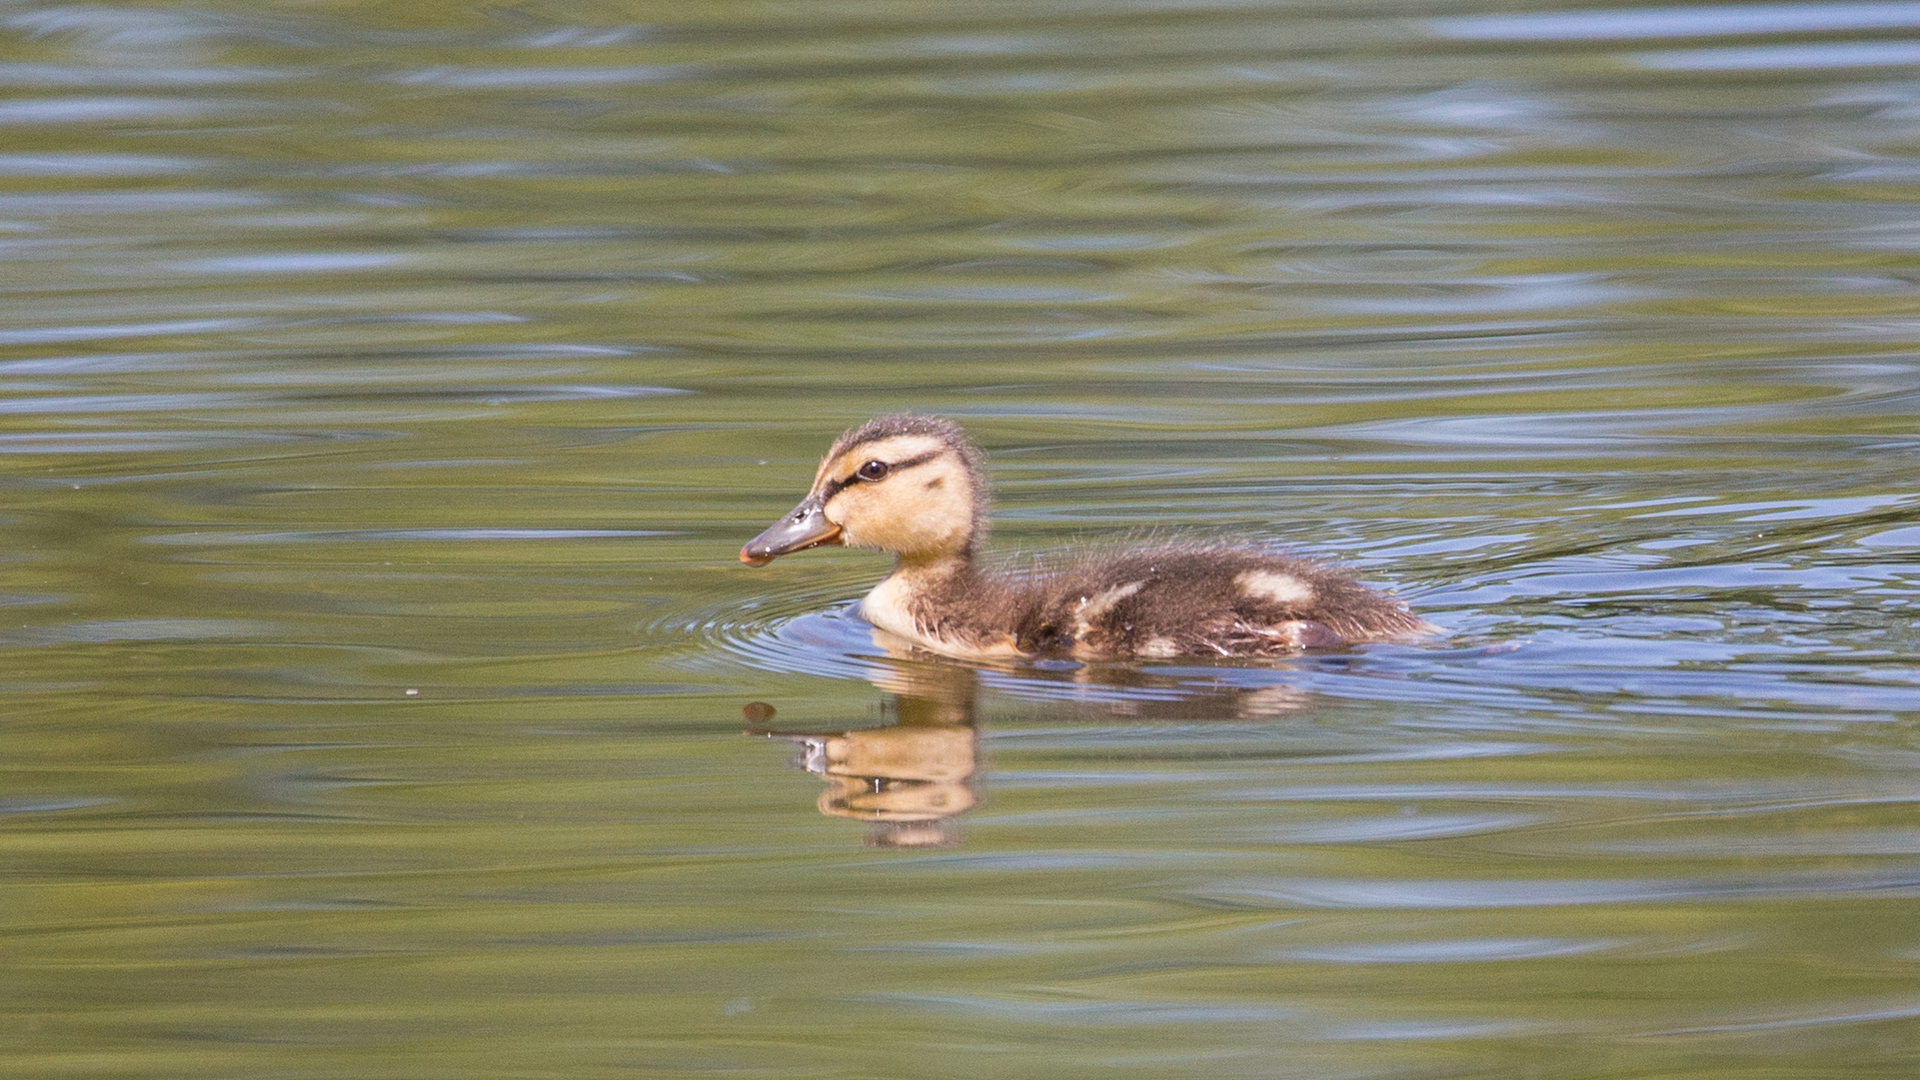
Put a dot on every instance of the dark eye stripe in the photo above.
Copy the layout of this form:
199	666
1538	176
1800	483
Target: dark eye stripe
834	487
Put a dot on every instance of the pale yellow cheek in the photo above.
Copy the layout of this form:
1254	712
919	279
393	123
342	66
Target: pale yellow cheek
866	522
917	512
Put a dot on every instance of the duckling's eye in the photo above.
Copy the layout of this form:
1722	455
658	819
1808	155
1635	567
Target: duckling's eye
874	470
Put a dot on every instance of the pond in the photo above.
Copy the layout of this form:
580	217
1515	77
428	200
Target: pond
388	390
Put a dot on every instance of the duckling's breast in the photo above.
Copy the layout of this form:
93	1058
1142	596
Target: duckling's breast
941	615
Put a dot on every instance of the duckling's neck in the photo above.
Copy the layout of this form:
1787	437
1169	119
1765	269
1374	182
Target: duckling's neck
925	582
944	602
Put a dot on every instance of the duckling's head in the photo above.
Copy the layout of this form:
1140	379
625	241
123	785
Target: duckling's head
909	484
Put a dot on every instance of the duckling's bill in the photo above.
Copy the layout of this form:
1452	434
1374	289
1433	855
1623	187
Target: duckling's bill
806	527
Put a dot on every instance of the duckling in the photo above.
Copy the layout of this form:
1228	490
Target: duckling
916	486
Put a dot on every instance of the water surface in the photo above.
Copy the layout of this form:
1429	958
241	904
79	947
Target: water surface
387	392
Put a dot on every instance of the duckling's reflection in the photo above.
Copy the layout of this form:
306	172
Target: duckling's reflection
911	779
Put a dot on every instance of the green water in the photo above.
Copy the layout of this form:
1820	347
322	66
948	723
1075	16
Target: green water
386	390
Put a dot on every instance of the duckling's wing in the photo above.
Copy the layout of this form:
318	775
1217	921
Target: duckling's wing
1212	601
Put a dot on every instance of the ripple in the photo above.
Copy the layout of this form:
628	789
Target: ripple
1077	1012
52	806
1837	54
1452	950
1867	1013
1384	829
1720	20
799	626
835	643
370	536
1458	894
89	110
133	442
631	75
101	631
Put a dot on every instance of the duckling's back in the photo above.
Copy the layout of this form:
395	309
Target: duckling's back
1199	600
